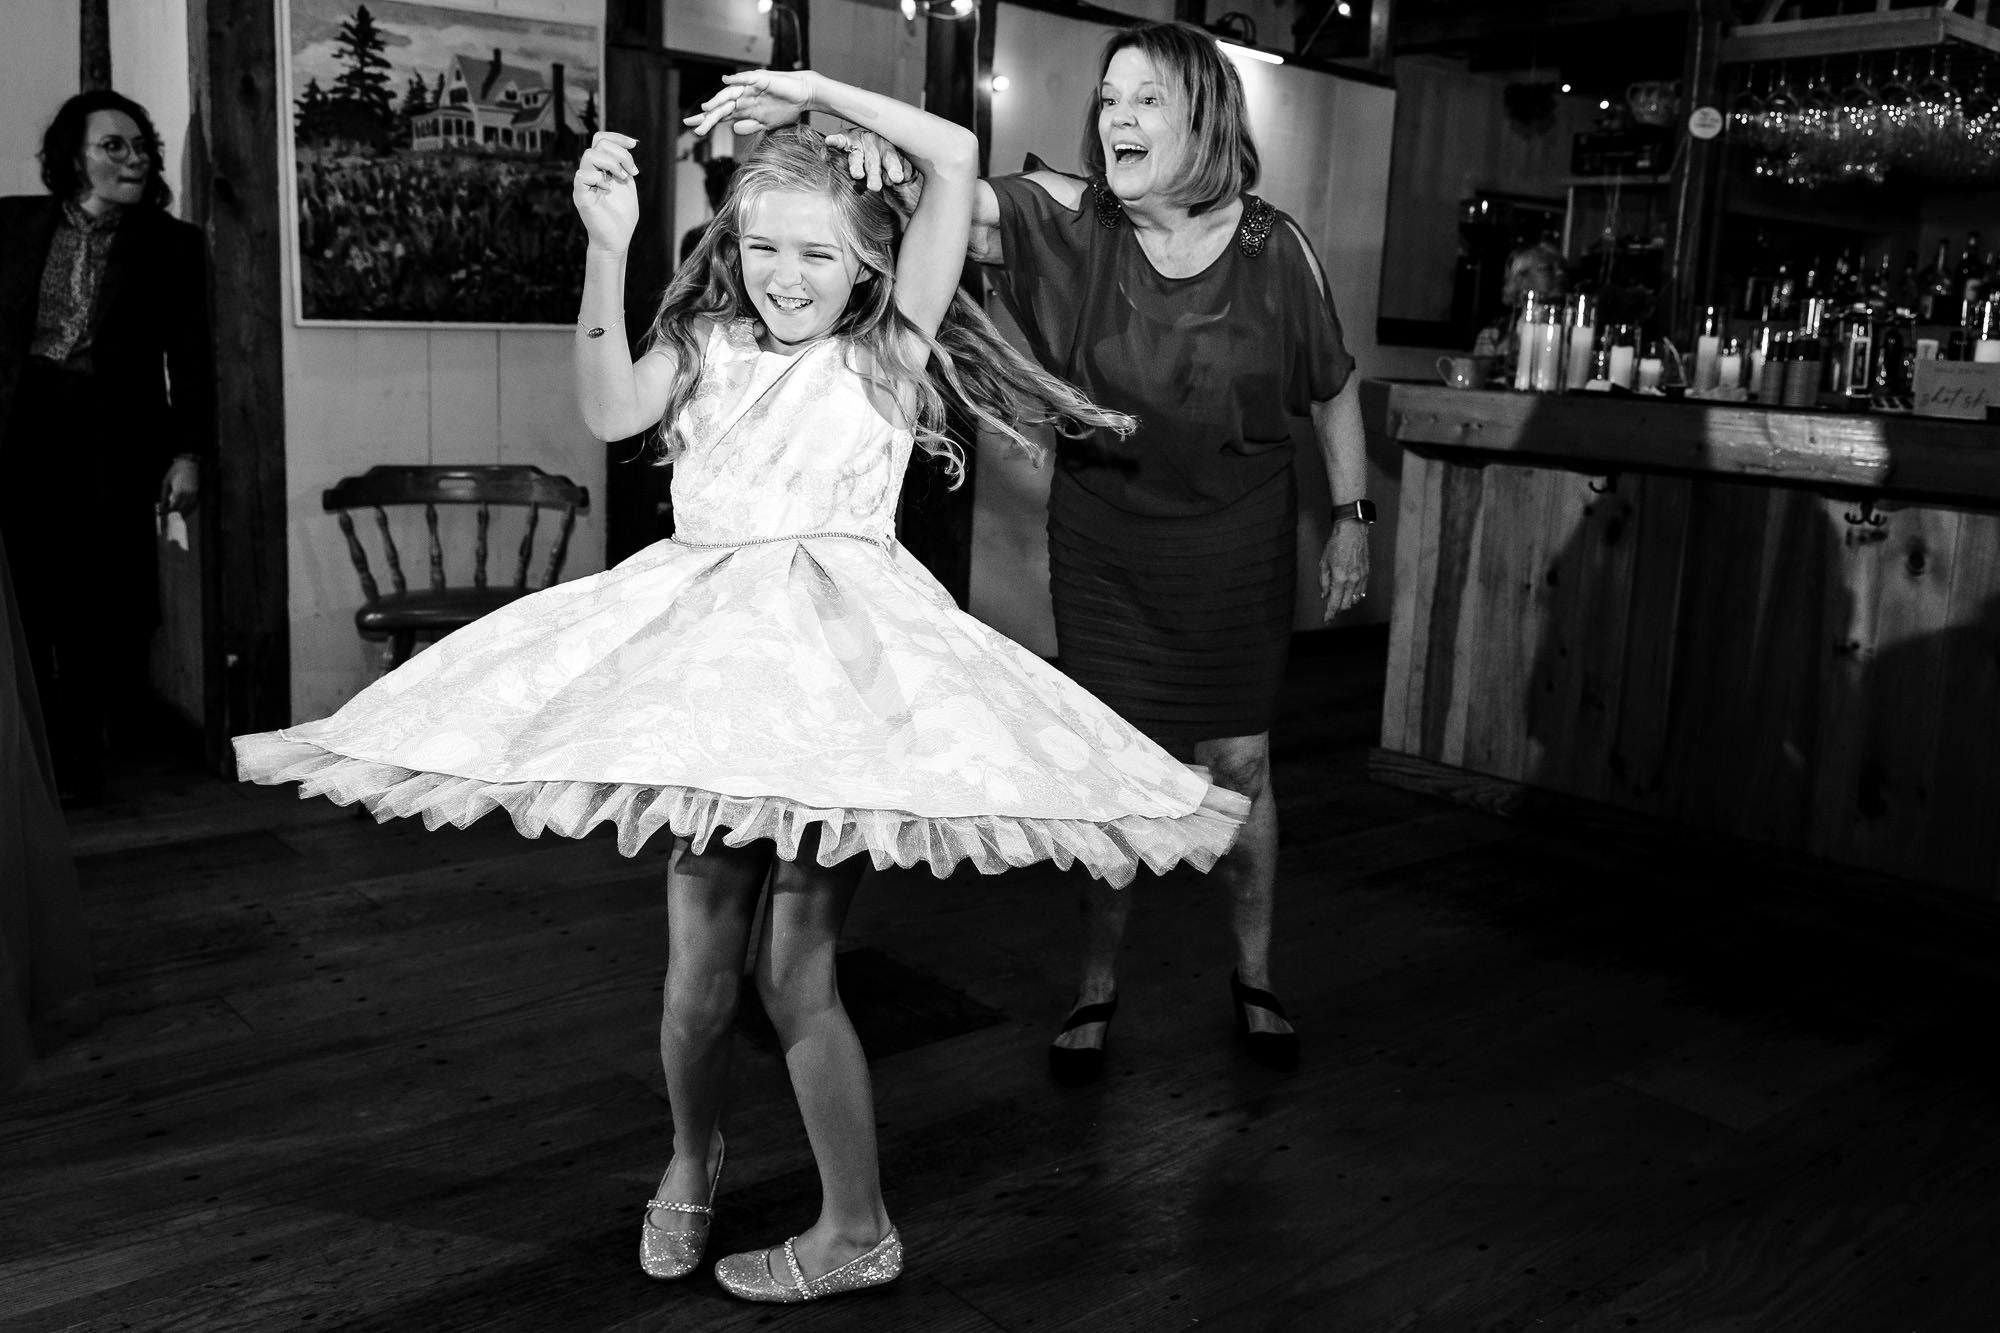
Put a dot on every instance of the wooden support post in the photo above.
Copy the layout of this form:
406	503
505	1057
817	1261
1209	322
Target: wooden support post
641	88
233	64
1697	177
1381	46
93	45
935	522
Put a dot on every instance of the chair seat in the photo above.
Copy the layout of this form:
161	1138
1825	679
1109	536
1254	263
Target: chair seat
437	610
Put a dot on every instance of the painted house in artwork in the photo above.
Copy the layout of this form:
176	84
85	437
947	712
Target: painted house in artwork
495	106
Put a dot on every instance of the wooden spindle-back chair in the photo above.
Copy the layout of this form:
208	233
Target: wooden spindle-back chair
402	615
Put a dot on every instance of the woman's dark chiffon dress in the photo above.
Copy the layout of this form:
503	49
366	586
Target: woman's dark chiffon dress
1173	552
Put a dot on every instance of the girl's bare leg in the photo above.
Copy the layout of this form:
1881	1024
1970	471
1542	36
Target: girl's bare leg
795	978
711	900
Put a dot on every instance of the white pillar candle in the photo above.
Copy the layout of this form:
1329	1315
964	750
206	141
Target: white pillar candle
1707	352
1582	342
1649	372
1548	359
1622	358
1729	371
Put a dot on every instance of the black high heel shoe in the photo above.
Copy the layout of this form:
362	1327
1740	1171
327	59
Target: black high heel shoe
1074	1066
1273	1050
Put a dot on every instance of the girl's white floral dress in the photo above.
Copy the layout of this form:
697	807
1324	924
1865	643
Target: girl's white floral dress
780	662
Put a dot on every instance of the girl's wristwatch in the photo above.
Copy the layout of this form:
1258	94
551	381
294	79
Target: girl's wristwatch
1362	511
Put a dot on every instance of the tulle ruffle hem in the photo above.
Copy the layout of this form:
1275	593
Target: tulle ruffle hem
1112	850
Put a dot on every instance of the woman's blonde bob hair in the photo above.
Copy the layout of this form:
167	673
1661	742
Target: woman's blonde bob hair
1222	160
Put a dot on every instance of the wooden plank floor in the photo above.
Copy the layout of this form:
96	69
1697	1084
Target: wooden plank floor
367	1077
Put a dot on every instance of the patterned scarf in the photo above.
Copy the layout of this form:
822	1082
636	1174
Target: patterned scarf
70	282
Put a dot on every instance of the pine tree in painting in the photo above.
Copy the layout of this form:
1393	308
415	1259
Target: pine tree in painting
311	112
362	90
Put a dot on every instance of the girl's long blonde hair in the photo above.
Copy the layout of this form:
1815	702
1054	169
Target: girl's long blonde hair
970	366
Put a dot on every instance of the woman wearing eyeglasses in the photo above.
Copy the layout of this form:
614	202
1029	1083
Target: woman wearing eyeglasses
107	409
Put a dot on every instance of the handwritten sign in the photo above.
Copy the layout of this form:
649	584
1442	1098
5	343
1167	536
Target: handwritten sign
1957	388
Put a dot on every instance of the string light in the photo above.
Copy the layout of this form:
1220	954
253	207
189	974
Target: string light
1001	83
1567	88
763	6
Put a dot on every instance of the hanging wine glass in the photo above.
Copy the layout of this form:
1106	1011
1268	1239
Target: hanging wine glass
1781	106
1936	120
1978	157
1746	114
1892	115
1854	150
1812	136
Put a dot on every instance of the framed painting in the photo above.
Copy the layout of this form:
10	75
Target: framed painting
432	149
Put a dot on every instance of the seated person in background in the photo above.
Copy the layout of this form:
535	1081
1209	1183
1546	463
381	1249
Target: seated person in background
1531	268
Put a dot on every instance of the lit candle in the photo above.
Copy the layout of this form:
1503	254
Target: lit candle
1582	340
1548	359
1707	361
1622	358
1650	368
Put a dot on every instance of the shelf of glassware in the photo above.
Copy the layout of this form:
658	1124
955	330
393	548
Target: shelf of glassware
1573	184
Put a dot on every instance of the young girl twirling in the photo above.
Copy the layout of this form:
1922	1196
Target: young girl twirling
780	685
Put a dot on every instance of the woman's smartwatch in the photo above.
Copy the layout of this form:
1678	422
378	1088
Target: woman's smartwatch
1361	511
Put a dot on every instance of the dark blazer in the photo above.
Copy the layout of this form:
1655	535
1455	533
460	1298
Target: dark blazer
151	323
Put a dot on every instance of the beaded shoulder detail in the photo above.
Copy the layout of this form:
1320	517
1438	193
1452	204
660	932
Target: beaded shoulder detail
1255	229
1252	231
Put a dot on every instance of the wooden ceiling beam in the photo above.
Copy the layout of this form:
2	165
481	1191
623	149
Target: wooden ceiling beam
1447	24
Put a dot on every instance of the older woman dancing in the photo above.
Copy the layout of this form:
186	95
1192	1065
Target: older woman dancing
1160	286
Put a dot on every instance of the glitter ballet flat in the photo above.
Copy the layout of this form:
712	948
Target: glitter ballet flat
667	1254
749	1275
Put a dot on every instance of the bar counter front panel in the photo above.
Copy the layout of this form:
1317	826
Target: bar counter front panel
1772	624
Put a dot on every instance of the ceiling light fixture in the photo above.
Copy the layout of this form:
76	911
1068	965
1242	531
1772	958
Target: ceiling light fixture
1250	52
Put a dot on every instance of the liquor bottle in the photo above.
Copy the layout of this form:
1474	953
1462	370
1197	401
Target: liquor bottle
1905	291
1844	285
1967	278
1975	288
1876	291
1935	288
1784	295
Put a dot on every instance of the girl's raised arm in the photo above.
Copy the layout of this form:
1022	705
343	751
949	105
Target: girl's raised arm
933	250
618	399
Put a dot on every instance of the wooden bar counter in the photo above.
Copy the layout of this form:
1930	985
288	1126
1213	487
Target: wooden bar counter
1771	624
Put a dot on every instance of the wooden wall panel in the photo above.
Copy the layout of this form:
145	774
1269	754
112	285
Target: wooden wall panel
1643	726
1963	828
1759	661
463	370
1455	649
1416	573
1594	601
